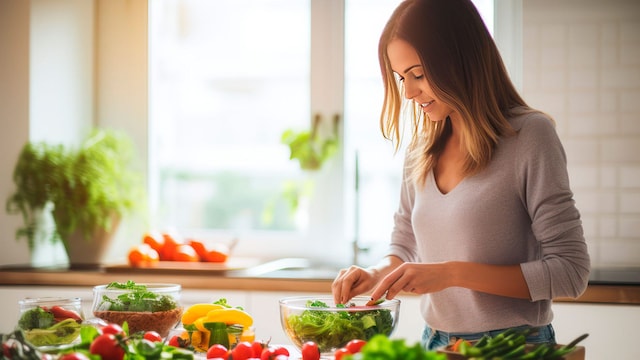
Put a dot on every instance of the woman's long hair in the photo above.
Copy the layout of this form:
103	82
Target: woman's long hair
464	69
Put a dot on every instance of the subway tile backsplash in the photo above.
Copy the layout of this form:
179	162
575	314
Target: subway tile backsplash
582	66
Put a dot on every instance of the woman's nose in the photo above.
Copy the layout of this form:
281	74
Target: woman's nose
410	91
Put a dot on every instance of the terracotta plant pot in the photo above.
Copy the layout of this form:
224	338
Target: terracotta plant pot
90	253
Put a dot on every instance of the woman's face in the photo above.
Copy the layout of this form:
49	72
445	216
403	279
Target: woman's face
406	64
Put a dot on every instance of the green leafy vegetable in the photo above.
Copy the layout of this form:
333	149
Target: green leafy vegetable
225	303
63	332
381	347
36	318
138	299
334	329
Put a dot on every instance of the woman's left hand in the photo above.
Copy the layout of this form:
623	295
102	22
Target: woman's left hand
417	278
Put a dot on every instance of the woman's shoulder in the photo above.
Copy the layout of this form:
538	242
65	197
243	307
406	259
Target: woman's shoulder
531	124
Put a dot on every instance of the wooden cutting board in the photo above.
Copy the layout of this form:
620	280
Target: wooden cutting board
182	267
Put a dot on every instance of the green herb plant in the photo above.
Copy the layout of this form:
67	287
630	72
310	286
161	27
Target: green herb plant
334	329
87	185
309	147
137	299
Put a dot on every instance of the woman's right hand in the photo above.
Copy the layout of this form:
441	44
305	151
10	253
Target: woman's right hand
353	281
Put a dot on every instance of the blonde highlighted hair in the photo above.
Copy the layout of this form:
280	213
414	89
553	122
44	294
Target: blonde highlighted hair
464	69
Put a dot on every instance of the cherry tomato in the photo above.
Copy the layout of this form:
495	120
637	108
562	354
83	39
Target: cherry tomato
153	239
267	354
257	347
310	351
74	356
340	353
185	252
62	313
112	328
142	254
217	351
152	336
355	345
175	341
106	345
242	351
280	350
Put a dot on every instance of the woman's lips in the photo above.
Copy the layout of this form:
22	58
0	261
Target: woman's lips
426	105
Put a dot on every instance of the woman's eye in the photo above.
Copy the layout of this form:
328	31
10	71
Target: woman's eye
418	77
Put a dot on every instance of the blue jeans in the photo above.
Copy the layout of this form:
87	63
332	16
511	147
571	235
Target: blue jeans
434	339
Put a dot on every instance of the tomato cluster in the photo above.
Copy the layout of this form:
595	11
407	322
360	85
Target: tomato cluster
245	350
353	347
170	246
111	343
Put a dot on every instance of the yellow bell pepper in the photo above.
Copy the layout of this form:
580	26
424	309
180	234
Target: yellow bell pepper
197	311
229	316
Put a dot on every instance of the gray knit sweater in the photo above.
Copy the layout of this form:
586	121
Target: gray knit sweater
519	210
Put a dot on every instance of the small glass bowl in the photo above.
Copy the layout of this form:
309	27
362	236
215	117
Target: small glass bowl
159	312
50	321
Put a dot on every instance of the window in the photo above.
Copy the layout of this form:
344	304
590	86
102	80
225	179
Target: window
227	79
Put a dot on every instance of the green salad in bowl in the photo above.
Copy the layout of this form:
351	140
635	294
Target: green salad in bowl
50	321
332	326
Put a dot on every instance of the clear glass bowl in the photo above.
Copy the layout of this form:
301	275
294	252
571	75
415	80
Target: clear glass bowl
146	307
332	327
50	321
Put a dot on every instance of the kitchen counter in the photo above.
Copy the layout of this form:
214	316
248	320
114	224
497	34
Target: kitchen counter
610	286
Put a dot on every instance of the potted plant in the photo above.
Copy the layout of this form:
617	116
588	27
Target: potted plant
311	148
89	187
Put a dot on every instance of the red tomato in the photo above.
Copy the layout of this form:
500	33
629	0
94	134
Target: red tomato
242	351
74	356
217	351
355	345
154	239
256	348
112	328
152	336
280	350
185	252
310	351
267	354
62	314
340	353
174	341
106	345
142	254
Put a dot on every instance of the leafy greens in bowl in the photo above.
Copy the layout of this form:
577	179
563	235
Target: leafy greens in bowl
331	326
145	307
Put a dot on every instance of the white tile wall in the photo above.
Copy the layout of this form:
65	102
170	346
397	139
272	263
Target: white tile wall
582	66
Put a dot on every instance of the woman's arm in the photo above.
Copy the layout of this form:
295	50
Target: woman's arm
427	278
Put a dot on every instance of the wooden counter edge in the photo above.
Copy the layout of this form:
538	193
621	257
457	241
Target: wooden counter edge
603	294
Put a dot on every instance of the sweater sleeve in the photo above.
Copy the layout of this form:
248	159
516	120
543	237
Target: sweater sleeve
562	265
403	241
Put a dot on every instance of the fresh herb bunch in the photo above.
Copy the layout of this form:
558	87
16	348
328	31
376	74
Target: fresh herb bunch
138	299
334	329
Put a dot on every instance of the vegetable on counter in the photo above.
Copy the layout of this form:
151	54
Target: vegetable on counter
329	328
205	323
511	344
138	299
45	326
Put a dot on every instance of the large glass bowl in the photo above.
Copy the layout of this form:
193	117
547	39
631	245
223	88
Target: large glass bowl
331	326
145	307
50	321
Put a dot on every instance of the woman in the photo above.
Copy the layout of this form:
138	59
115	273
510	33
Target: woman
486	231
